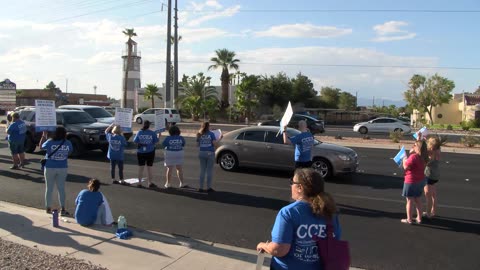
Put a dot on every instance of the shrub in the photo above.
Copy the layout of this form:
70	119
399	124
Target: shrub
442	126
465	125
449	127
395	136
469	140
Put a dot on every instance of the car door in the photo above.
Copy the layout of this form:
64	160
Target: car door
251	145
377	125
280	155
149	115
391	125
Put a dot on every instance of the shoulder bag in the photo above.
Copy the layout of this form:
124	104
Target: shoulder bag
43	161
335	254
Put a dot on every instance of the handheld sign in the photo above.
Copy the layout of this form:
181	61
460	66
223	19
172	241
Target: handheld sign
423	133
400	156
45	116
218	133
286	117
123	118
159	120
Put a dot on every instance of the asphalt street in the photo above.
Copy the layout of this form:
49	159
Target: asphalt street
243	209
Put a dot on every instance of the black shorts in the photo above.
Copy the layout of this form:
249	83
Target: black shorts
146	158
305	164
431	181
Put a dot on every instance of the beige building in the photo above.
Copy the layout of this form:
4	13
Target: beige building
462	107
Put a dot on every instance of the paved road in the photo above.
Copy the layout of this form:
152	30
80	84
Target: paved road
242	212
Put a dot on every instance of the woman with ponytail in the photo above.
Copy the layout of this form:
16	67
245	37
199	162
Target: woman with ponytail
293	244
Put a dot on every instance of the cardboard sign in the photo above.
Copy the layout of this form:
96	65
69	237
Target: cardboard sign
286	117
159	120
123	118
45	116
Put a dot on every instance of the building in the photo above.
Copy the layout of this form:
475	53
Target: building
133	80
8	100
27	97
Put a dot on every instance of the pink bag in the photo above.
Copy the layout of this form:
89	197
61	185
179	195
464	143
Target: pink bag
335	254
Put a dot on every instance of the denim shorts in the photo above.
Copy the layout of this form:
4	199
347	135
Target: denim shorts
413	190
16	147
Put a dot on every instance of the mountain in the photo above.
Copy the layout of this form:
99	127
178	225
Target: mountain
380	102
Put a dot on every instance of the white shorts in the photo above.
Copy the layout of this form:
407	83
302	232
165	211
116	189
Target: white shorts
173	158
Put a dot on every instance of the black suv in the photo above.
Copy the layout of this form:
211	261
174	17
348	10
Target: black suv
83	131
313	124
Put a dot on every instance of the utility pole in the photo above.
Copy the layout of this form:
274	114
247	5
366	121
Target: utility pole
169	61
95	90
66	86
356	100
373	104
175	57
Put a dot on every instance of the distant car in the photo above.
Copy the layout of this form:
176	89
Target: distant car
313	124
97	112
262	146
382	125
172	116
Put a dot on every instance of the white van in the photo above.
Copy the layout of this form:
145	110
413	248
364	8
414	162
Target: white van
172	116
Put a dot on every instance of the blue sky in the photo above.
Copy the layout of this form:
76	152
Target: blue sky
81	40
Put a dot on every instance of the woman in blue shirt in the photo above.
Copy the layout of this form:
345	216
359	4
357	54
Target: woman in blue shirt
116	147
56	167
173	146
206	141
297	225
89	202
146	140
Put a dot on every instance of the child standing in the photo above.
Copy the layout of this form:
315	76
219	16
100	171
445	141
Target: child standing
432	173
116	147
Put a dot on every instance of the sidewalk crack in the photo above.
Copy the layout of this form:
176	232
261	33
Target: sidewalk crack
176	260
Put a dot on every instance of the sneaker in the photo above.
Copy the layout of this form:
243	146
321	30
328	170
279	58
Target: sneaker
64	213
210	190
48	210
21	165
183	185
14	167
115	181
167	185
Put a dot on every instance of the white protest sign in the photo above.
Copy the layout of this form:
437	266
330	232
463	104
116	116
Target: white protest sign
159	120
45	116
286	117
123	118
218	133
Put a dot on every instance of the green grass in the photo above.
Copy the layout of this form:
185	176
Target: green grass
455	127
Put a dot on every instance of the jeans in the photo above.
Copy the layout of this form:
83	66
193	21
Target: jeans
55	176
113	163
206	166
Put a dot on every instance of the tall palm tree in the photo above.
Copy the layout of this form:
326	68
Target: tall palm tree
129	32
225	60
151	92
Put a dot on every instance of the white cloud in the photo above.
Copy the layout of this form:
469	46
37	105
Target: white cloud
304	30
391	31
228	12
104	58
202	6
23	55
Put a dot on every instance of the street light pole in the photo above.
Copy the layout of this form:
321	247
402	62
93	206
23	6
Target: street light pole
169	45
175	57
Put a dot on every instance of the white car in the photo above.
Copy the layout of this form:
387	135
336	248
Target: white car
171	116
97	112
382	125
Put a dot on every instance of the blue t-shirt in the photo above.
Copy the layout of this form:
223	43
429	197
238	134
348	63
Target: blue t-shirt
17	131
59	159
205	142
173	143
146	140
87	206
116	146
296	225
303	146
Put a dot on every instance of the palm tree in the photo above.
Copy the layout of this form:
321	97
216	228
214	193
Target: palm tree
197	93
225	59
151	92
129	33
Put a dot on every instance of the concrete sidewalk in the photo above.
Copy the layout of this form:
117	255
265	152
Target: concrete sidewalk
145	250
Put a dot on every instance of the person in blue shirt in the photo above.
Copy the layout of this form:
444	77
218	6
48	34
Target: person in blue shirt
173	146
146	140
56	167
206	141
89	205
17	131
303	145
116	147
300	223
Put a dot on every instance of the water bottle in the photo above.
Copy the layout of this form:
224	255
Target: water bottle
122	222
55	217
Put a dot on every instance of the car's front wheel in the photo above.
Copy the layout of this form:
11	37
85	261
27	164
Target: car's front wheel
228	161
322	166
363	130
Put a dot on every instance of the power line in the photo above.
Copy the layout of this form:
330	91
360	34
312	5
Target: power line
340	11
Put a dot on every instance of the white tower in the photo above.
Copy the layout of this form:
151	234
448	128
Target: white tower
133	80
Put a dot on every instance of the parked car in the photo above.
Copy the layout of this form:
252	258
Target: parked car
83	131
262	146
99	113
382	125
172	116
313	124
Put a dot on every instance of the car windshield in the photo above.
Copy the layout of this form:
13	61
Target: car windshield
294	132
97	112
77	117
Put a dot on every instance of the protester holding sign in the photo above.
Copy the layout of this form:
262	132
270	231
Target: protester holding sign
146	140
17	131
414	166
206	141
116	147
303	145
173	146
300	223
56	167
432	173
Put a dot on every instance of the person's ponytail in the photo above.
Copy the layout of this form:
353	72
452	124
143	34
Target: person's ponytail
323	205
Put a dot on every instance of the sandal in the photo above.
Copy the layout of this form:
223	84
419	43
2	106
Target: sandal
406	221
419	221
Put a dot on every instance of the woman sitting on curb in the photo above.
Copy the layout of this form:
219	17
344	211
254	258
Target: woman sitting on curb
90	205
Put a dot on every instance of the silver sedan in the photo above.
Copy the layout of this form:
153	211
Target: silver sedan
262	146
